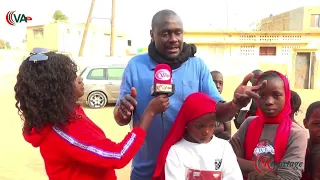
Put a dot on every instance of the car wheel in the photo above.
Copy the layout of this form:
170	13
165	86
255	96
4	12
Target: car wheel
97	100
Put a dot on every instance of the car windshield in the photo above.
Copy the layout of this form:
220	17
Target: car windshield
82	71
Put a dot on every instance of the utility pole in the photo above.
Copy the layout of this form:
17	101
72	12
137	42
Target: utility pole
227	14
84	37
113	28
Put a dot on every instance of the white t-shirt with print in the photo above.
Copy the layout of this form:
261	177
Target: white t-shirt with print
217	155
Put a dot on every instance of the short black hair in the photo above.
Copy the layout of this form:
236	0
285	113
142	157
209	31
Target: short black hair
269	75
295	102
158	17
45	91
311	108
257	71
215	72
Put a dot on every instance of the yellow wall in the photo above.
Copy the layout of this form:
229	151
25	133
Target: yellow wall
308	11
225	51
49	40
68	37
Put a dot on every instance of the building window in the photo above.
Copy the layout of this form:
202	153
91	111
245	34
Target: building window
217	50
129	42
247	50
286	50
68	31
38	33
267	51
315	20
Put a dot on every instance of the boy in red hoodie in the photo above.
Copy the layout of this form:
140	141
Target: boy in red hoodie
73	147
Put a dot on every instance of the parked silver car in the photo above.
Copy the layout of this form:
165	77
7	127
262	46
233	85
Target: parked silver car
101	84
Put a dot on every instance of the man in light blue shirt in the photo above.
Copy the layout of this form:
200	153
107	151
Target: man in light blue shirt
190	74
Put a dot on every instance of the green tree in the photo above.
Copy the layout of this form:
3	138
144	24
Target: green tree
58	15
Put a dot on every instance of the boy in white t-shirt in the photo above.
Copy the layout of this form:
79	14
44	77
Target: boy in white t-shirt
191	151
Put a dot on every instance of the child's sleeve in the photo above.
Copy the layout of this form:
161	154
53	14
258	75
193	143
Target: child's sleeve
230	167
174	170
292	163
87	148
241	133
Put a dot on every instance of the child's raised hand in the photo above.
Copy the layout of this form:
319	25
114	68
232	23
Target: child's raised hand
158	104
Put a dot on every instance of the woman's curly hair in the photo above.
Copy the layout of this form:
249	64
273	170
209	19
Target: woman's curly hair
45	91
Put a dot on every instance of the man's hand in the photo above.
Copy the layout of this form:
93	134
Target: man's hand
243	94
127	104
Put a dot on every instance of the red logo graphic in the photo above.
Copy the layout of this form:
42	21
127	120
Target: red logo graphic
263	163
13	18
163	74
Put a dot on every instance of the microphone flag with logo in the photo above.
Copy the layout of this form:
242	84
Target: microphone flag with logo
162	80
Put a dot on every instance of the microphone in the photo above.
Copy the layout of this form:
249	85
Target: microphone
162	81
162	85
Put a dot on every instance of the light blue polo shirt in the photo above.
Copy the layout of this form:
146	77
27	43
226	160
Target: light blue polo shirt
192	76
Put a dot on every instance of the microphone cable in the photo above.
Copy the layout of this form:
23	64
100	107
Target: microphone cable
162	126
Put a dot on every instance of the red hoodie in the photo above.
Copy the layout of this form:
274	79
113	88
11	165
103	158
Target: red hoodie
81	151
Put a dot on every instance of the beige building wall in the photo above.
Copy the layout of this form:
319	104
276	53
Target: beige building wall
295	20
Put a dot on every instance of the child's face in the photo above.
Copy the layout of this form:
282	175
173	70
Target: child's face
201	129
79	89
313	124
218	80
272	98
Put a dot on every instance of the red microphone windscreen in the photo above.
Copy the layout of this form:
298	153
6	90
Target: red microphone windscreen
162	74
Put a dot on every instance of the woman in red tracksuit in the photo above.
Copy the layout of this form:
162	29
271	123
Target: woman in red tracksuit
72	146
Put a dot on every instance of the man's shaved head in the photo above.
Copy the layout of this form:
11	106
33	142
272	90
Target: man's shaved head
167	34
159	17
